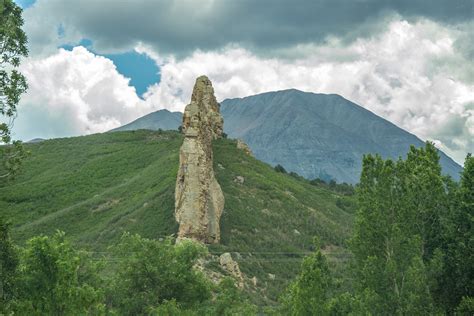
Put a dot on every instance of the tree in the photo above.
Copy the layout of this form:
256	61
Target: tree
424	196
56	279
309	294
397	231
279	168
151	273
466	306
8	268
227	300
168	308
456	281
12	83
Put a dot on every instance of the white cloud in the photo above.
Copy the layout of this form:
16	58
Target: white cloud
74	93
411	74
400	75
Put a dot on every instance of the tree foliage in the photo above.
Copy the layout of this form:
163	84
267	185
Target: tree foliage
309	294
412	245
412	255
280	168
397	231
456	281
56	279
142	277
12	83
152	272
227	300
8	268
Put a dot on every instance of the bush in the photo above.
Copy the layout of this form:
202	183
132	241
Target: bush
343	188
229	301
466	307
154	272
8	268
309	294
56	279
279	168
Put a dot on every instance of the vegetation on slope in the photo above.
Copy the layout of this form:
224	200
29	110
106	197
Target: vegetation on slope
271	219
96	187
410	244
50	277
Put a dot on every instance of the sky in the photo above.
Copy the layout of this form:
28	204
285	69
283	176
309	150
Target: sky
95	65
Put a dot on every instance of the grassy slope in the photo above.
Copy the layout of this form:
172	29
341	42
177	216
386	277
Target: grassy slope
275	217
95	187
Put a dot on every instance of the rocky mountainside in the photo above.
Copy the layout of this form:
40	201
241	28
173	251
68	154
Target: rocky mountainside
314	135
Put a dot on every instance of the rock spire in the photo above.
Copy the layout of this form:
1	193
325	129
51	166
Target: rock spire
199	200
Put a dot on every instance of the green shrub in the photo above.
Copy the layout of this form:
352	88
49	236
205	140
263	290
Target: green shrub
56	279
279	168
152	272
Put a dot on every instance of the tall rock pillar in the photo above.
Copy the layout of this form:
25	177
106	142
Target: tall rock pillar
199	200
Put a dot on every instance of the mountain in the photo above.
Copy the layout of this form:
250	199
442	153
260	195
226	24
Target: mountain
35	140
96	187
315	135
163	119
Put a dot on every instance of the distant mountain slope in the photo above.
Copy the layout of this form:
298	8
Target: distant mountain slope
317	135
98	186
36	140
163	119
314	135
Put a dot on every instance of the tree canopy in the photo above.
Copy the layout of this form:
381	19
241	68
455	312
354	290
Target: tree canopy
13	84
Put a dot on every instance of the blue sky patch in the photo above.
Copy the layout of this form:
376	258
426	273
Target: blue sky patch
24	4
140	68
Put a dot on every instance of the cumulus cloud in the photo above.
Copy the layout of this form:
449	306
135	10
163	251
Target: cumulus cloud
182	26
417	73
75	93
401	75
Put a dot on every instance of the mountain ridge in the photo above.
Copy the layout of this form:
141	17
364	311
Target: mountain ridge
166	119
305	139
313	134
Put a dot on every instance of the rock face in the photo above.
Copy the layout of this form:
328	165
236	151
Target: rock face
243	146
199	200
232	267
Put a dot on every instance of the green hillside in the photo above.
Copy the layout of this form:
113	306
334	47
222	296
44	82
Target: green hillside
96	187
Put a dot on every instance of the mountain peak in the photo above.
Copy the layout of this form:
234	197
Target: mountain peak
317	135
312	134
